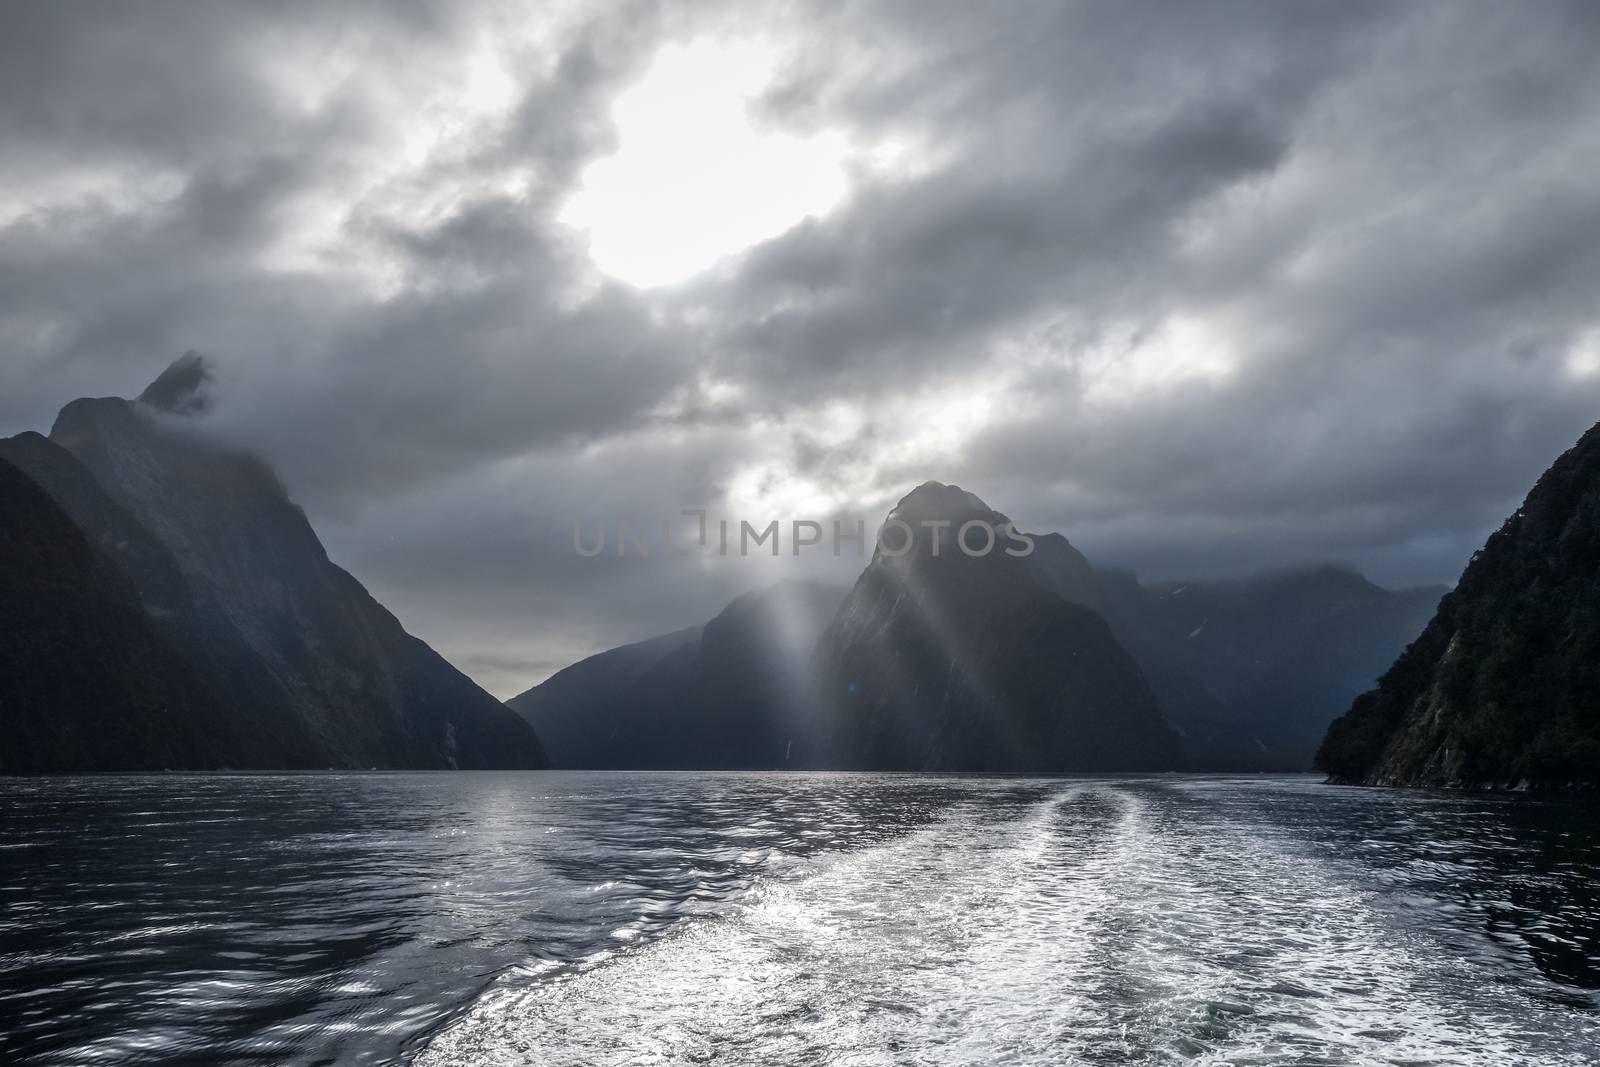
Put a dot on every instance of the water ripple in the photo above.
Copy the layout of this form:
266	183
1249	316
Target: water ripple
567	918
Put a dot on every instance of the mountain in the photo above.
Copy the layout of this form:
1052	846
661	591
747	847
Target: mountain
1251	670
87	679
272	640
581	710
1503	686
1283	655
1248	672
185	619
940	660
732	694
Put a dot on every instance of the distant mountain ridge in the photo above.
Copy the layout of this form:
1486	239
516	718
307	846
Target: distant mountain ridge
1253	669
1247	672
271	638
225	637
1503	686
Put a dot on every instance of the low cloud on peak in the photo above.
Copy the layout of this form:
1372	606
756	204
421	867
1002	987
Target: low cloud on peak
1210	288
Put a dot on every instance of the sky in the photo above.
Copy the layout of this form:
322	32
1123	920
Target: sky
1211	289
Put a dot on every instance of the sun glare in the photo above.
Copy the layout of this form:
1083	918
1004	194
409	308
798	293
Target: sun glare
1182	349
694	179
1583	359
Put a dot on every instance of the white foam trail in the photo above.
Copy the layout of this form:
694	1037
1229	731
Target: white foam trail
1112	922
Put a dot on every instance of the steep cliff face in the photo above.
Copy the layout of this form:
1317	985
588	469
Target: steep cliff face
735	693
88	680
265	621
108	526
941	660
1503	686
186	619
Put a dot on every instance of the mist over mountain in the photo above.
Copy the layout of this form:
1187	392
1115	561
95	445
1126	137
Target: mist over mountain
1023	656
1252	670
735	693
949	661
1026	659
897	498
1503	686
269	638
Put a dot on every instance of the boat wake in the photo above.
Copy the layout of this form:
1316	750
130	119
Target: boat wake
1107	922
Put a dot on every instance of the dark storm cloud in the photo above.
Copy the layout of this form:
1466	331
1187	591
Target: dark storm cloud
1086	140
478	351
183	148
1400	222
1236	285
912	278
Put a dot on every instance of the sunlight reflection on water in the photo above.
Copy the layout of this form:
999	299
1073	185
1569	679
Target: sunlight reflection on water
667	918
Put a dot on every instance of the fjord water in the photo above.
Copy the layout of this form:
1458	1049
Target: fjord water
571	918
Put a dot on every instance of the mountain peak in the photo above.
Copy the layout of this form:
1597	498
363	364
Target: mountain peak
936	500
1328	576
184	388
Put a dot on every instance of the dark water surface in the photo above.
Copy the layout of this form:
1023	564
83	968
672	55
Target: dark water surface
570	918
